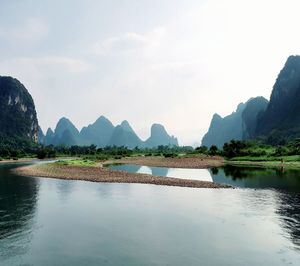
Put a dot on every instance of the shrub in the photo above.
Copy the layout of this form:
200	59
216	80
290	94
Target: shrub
41	154
202	149
169	155
213	150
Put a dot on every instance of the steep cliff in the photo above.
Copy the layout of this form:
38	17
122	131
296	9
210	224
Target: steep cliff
281	120
18	119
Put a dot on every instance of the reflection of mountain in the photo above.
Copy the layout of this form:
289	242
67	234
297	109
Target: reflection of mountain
159	171
18	198
254	177
289	213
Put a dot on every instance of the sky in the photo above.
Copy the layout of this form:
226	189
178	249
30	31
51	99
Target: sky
172	62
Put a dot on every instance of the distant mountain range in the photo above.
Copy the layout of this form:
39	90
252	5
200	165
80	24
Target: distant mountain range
275	122
18	123
103	133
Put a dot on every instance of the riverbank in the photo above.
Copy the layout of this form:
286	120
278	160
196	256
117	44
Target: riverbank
98	173
265	164
199	162
21	160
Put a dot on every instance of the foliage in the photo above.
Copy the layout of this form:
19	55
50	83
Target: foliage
170	155
213	150
77	162
202	149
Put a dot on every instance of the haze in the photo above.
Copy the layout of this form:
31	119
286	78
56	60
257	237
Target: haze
172	62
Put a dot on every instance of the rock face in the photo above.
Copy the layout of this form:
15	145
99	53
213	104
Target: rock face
49	137
222	130
41	136
240	125
103	133
276	122
124	135
18	117
254	109
281	120
65	134
98	133
159	136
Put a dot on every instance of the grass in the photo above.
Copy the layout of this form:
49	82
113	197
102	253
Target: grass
77	162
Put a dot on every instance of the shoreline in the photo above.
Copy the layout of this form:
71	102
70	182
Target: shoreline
21	160
104	175
199	162
265	164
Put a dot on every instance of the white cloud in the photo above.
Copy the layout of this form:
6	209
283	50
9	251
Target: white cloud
129	41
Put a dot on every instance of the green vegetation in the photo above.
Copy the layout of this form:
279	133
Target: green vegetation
77	162
110	152
16	147
255	151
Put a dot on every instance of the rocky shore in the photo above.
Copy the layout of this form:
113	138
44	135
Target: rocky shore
202	162
105	175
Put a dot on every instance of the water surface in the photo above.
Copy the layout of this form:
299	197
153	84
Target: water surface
59	222
237	176
197	174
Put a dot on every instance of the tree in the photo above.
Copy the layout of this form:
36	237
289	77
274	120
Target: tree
202	149
41	153
213	150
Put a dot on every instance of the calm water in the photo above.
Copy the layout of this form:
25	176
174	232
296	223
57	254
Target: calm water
243	177
57	222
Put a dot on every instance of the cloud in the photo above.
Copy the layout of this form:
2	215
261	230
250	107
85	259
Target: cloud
31	31
129	41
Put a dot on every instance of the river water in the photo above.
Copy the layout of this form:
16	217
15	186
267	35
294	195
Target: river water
58	222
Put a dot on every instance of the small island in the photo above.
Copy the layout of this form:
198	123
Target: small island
91	170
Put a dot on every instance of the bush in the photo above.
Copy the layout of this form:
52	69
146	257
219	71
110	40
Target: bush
41	154
281	151
202	149
234	148
213	150
169	155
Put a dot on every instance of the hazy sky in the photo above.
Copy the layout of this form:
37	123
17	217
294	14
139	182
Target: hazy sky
173	62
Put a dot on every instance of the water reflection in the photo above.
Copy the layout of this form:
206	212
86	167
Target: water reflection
197	174
134	224
159	171
64	189
256	177
289	213
18	196
285	181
